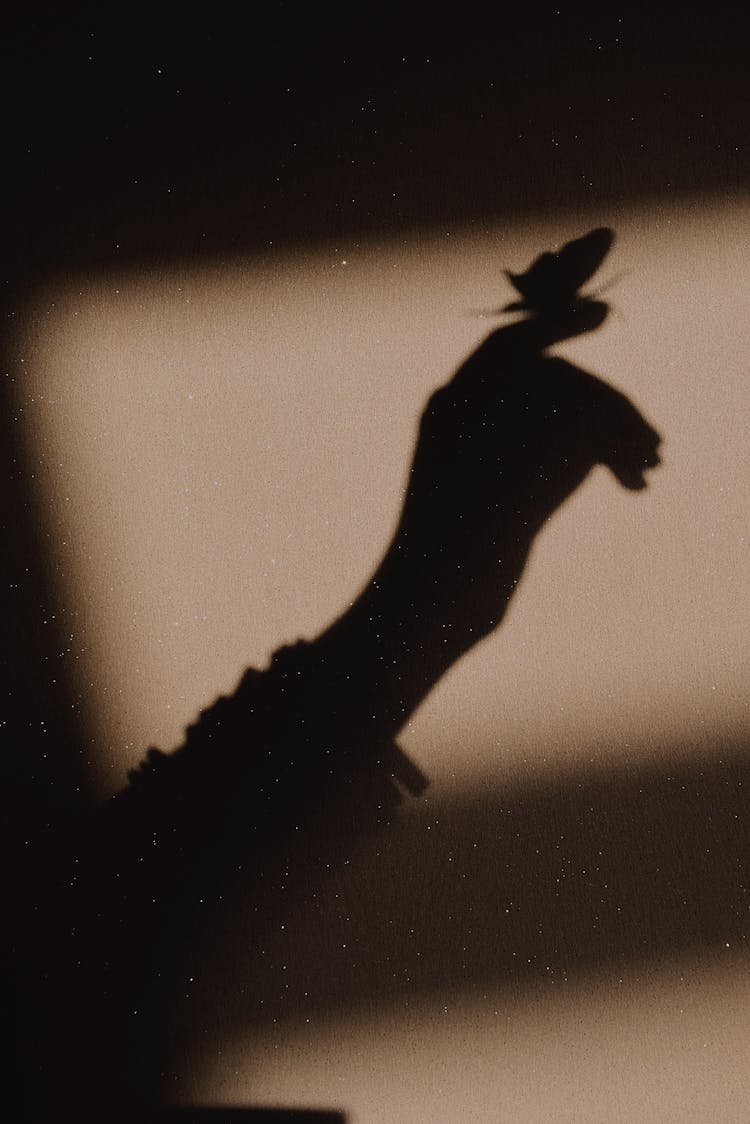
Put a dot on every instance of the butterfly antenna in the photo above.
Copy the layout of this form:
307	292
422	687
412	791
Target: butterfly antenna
484	313
614	280
617	277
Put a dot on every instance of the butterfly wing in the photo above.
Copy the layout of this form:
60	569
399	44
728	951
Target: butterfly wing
579	260
554	279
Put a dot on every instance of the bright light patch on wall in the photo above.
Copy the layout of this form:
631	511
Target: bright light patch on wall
637	1050
220	452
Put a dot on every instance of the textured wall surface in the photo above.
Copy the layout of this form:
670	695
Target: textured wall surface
241	249
220	454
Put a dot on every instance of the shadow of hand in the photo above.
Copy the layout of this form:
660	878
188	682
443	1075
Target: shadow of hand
500	448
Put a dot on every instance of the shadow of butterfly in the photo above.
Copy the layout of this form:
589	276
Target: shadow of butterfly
552	281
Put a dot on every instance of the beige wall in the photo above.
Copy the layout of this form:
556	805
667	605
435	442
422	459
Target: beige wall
219	450
654	1046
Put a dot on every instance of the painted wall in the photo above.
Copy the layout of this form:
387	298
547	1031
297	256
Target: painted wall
220	453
